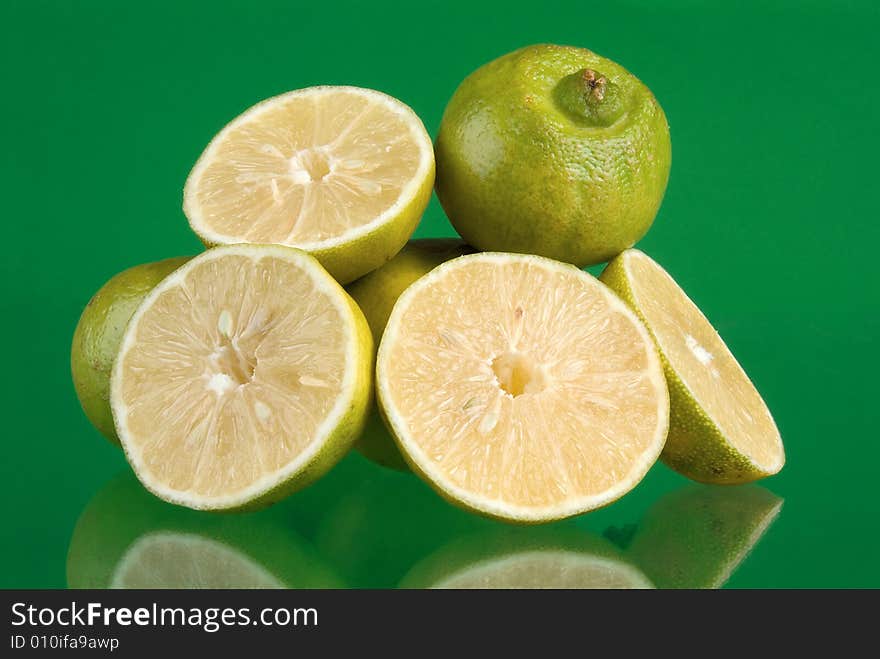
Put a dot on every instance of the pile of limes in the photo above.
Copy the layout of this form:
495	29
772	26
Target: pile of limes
515	383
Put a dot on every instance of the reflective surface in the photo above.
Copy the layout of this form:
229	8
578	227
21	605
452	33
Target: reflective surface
390	531
769	223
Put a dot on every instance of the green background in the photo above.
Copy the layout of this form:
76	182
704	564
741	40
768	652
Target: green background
770	222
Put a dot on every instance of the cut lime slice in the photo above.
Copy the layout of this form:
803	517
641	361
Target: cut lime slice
243	376
521	387
720	429
342	172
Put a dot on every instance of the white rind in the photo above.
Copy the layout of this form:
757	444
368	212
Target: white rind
497	507
324	282
192	209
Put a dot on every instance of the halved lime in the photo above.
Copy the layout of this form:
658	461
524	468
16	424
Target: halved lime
344	173
720	430
243	376
521	387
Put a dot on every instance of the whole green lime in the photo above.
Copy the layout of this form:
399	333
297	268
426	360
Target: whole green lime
555	151
99	332
376	294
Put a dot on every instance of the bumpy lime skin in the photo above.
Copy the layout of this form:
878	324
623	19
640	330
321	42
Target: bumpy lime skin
98	335
518	171
376	294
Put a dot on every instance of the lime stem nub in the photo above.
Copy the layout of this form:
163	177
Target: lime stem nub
595	83
589	98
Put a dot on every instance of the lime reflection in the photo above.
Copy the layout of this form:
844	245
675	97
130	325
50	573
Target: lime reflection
558	556
697	536
382	528
365	526
127	538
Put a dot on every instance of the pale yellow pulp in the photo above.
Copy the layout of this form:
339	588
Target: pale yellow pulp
522	382
230	373
306	168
